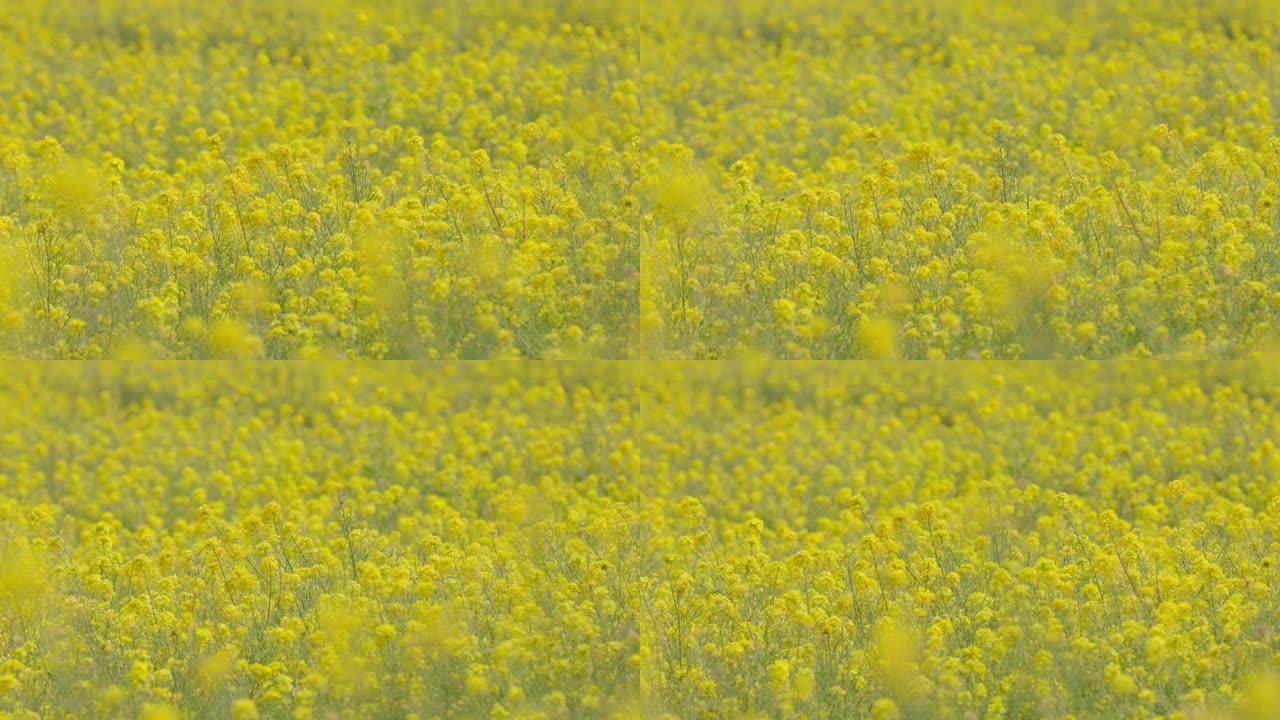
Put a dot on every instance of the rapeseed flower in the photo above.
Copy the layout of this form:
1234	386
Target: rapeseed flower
469	540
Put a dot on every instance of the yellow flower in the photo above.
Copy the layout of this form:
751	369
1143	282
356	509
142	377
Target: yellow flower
244	709
877	339
154	711
885	709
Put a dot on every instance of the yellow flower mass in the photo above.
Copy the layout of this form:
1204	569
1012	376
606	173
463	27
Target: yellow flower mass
593	540
185	179
592	179
807	193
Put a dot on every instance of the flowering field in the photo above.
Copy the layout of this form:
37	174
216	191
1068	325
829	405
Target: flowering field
603	540
793	190
949	178
593	179
286	179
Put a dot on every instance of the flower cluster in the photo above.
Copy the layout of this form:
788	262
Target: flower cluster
937	179
601	540
810	179
282	179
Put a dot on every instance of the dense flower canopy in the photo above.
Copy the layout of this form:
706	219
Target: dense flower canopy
615	540
815	178
795	190
281	179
